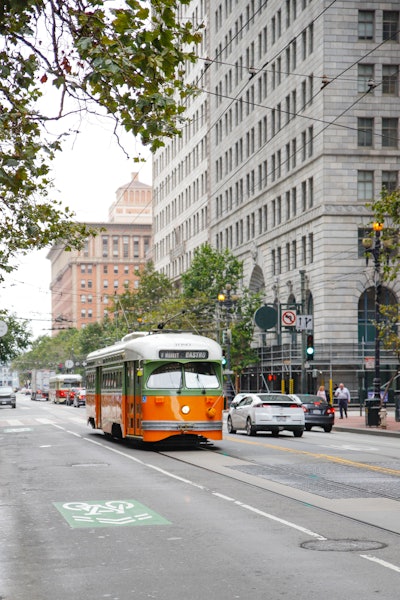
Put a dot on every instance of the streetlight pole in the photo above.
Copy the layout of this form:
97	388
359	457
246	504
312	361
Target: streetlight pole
376	252
377	271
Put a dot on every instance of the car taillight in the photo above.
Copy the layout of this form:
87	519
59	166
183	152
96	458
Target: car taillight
330	410
305	408
294	406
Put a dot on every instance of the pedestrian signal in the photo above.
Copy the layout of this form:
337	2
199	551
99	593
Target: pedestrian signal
310	347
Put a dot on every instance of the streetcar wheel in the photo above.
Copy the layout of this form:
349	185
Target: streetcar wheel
250	429
298	432
328	428
230	426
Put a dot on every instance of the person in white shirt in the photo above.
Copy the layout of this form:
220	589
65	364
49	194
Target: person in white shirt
343	396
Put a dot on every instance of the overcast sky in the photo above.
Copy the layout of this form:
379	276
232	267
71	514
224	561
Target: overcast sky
87	174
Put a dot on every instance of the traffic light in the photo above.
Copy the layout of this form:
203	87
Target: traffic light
223	358
310	347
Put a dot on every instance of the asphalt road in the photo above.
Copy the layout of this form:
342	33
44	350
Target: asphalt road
82	517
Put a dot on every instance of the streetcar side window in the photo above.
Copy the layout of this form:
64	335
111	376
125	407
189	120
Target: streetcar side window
166	377
200	375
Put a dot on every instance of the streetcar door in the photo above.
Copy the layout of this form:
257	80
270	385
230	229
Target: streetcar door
133	400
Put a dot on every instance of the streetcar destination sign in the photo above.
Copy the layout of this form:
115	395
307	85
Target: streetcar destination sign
174	354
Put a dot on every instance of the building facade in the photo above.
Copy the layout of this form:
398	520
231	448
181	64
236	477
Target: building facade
83	282
294	131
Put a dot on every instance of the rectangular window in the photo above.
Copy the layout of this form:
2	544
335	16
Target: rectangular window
310	192
294	255
304	196
364	75
390	133
304	250
83	283
105	283
390	80
90	283
105	268
115	245
125	246
390	25
365	185
83	268
366	19
135	247
83	313
115	268
104	241
390	180
365	130
90	313
311	247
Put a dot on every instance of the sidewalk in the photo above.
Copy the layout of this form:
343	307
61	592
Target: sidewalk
356	423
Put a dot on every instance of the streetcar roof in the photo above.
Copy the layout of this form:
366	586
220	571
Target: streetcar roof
149	346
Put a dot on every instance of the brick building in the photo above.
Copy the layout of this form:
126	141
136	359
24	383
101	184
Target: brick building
83	282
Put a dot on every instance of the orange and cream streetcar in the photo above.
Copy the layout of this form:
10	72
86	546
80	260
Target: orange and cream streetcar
60	386
153	386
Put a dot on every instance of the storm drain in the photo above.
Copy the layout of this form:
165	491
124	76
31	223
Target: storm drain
342	545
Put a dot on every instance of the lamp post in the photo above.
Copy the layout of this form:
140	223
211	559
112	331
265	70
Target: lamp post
227	300
373	247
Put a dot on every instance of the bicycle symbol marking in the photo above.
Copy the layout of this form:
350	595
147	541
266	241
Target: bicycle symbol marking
108	513
98	509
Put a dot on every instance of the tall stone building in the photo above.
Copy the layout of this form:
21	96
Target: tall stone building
294	131
83	282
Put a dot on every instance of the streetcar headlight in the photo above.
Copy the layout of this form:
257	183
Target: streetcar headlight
185	409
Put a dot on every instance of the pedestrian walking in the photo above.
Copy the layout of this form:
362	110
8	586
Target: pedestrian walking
343	396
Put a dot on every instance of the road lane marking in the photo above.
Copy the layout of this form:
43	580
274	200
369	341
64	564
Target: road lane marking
381	562
335	459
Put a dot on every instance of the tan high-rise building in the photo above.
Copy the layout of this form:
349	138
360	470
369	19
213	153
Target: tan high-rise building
83	282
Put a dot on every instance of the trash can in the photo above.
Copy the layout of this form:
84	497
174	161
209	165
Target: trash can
397	409
372	407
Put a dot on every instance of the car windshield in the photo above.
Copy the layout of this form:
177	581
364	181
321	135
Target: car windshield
6	390
280	399
311	399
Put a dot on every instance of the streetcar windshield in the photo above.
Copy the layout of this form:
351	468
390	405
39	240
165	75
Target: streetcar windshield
196	376
165	377
200	375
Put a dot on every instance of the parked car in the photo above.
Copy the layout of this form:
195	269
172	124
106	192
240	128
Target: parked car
266	412
317	412
7	397
80	398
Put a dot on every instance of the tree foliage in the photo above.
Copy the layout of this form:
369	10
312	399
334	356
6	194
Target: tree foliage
16	339
73	57
210	271
386	210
